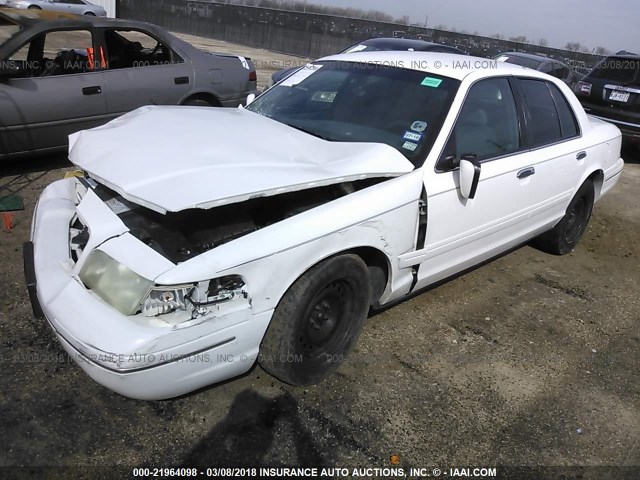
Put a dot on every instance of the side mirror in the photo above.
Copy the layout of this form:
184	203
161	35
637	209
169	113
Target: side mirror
9	71
469	175
250	98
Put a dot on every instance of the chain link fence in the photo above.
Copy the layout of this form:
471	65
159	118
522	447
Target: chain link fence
312	35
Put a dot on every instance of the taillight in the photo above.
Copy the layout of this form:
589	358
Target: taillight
253	76
583	87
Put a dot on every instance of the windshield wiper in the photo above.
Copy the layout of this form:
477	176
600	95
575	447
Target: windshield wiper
310	132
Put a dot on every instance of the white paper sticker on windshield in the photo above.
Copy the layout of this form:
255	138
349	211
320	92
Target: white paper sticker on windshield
413	136
244	62
410	146
502	58
300	75
357	48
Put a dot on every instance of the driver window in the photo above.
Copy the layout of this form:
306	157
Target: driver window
61	52
132	49
487	126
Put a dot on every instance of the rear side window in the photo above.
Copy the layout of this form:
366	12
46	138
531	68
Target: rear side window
568	122
543	122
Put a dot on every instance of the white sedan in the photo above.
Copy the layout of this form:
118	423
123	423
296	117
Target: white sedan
201	240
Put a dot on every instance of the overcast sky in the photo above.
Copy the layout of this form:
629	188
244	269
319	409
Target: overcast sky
613	24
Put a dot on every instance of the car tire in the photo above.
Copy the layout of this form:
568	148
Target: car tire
34	7
91	14
317	322
197	102
563	238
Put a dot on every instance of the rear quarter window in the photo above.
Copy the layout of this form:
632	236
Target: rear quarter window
543	123
568	122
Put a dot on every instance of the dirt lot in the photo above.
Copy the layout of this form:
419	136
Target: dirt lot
529	360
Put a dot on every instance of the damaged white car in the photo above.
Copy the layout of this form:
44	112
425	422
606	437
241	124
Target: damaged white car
200	240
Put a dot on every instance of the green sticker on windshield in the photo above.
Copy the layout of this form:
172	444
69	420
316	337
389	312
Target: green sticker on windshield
431	82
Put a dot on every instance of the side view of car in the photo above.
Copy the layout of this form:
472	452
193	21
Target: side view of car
186	252
64	74
611	91
380	44
77	7
546	65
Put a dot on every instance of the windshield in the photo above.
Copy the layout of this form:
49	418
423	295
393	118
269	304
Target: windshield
7	30
363	102
618	69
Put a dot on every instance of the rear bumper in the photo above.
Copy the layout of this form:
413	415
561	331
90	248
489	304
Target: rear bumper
628	123
135	360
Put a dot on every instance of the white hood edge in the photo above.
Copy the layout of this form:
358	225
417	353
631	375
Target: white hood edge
170	159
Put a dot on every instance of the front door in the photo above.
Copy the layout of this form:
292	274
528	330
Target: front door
58	92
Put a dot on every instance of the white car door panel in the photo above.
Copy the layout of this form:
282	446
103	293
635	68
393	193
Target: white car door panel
519	194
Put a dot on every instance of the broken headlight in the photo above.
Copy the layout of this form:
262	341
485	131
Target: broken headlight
114	283
166	299
196	298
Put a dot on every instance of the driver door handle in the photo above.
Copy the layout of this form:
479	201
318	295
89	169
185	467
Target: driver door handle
92	90
526	172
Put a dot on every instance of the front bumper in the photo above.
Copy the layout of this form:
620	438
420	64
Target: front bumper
138	361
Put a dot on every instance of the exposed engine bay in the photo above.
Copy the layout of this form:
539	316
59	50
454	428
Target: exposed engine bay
179	236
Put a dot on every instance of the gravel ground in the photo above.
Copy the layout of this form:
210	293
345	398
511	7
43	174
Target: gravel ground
529	360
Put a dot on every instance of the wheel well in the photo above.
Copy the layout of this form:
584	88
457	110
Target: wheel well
207	97
379	268
597	178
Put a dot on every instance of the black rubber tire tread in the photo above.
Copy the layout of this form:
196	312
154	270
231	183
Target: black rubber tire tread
197	102
554	241
280	341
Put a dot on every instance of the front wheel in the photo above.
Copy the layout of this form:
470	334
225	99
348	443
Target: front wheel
34	7
566	234
91	14
317	322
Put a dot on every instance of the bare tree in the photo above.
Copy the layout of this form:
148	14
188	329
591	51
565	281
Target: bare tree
573	46
601	51
543	42
497	36
404	20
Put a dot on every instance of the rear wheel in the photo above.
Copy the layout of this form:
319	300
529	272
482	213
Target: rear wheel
566	234
317	322
91	14
197	102
34	7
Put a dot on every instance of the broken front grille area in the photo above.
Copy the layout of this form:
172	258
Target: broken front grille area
78	238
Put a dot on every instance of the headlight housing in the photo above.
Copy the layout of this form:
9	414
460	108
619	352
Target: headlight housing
114	283
198	299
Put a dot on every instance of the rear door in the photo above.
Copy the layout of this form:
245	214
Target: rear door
142	70
58	93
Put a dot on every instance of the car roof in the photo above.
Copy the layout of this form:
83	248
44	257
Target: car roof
530	56
403	43
446	64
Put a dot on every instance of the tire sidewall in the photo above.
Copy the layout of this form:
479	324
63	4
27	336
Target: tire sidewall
293	364
587	192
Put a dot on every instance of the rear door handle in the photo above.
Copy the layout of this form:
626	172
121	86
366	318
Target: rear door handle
526	172
92	90
181	80
581	156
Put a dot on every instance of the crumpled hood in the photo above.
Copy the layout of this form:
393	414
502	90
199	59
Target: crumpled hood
174	158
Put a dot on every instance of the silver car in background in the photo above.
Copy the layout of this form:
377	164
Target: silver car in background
78	7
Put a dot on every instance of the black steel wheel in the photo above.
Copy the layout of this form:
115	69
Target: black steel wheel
317	322
564	237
